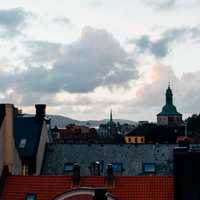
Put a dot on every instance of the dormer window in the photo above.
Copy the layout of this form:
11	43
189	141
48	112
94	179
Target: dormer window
68	167
117	167
149	167
30	196
22	143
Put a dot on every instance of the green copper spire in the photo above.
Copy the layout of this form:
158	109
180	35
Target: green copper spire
169	109
169	96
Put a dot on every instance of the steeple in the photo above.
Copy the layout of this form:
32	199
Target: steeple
111	116
169	96
169	115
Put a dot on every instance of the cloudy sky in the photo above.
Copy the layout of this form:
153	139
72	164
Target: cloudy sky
84	57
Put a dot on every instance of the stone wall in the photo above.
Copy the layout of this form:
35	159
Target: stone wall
131	156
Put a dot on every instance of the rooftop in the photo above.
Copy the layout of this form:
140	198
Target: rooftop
27	133
131	157
125	188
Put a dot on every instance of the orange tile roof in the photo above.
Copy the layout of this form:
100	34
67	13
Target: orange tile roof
125	187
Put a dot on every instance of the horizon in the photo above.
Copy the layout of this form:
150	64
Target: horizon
84	58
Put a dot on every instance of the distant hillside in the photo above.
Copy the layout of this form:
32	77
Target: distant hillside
61	121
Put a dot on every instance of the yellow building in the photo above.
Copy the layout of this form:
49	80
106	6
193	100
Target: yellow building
134	139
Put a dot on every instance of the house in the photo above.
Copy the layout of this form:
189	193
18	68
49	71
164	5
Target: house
135	136
183	184
22	140
154	133
74	134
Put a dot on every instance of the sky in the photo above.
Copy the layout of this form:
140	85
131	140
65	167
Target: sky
83	58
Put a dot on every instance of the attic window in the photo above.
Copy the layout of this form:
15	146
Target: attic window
68	167
30	196
22	143
149	167
117	167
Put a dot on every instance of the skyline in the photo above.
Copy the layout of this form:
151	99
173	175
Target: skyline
83	59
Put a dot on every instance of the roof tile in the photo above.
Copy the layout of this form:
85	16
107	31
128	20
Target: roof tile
126	187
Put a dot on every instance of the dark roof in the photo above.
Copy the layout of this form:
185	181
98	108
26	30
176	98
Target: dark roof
124	188
29	129
142	130
57	154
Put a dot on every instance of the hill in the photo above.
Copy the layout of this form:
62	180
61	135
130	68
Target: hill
62	121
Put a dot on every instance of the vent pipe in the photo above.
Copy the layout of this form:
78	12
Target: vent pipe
76	174
110	175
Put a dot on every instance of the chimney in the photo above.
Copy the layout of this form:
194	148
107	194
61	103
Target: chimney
100	194
9	142
110	175
2	113
97	168
76	174
40	111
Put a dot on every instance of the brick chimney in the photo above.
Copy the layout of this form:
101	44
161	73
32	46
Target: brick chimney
110	175
40	111
76	174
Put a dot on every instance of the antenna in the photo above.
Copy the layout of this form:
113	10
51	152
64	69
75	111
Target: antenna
169	84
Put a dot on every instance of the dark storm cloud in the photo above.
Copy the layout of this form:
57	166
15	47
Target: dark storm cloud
96	59
162	47
12	21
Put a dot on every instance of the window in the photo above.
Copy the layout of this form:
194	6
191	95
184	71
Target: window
142	140
149	168
68	167
30	196
117	167
136	140
22	143
129	139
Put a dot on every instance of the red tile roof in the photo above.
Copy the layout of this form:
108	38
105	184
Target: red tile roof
125	187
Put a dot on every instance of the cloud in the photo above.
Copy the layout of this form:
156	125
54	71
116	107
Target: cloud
62	20
150	96
12	21
161	47
95	60
158	77
41	52
161	4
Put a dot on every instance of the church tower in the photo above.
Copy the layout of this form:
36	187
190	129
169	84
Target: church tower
169	115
